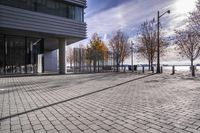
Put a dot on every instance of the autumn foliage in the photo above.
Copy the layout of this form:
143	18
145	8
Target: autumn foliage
97	52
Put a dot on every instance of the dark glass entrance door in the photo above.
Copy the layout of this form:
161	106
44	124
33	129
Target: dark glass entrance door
19	55
15	54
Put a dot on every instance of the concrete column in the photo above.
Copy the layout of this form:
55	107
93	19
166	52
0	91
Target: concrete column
61	56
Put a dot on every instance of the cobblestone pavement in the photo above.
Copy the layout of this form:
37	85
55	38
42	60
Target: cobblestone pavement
100	103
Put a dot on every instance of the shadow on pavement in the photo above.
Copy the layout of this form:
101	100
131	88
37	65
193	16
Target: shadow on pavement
28	111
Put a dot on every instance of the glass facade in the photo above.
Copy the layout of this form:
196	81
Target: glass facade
19	55
52	7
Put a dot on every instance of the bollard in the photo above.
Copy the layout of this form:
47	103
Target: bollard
135	68
161	69
132	68
173	70
142	69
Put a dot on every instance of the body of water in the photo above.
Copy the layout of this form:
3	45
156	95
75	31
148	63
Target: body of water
180	68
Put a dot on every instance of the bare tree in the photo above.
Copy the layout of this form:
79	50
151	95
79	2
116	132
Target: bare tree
189	45
70	56
120	47
194	19
147	42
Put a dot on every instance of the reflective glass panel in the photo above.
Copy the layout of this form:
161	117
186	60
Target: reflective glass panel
52	7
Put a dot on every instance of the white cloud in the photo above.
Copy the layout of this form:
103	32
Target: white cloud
129	15
125	16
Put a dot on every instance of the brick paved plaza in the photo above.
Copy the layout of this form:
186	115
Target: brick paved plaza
100	103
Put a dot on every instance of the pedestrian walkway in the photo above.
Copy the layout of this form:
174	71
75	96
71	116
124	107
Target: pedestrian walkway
98	103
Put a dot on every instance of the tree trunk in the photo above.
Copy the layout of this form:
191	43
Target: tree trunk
70	64
192	68
90	65
149	65
94	65
117	65
122	65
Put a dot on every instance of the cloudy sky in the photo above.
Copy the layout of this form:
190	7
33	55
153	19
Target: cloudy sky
107	16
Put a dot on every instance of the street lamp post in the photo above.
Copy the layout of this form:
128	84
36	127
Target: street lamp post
158	40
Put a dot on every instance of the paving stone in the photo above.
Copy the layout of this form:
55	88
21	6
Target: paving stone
60	127
16	131
82	127
192	130
152	130
5	131
106	127
40	131
52	131
114	131
117	126
154	126
48	127
28	131
138	130
15	127
94	127
101	131
108	122
65	131
71	127
127	131
26	127
165	130
5	127
129	126
37	127
158	103
88	131
76	131
178	130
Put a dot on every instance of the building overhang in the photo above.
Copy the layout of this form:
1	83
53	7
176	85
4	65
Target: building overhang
40	24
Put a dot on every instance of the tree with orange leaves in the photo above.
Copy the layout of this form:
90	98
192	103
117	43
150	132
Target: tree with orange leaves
96	51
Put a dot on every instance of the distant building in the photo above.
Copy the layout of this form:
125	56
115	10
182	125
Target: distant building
31	29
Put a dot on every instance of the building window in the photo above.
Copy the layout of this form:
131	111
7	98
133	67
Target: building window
78	13
52	7
70	12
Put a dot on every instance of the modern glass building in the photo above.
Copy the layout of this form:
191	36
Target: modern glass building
30	30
